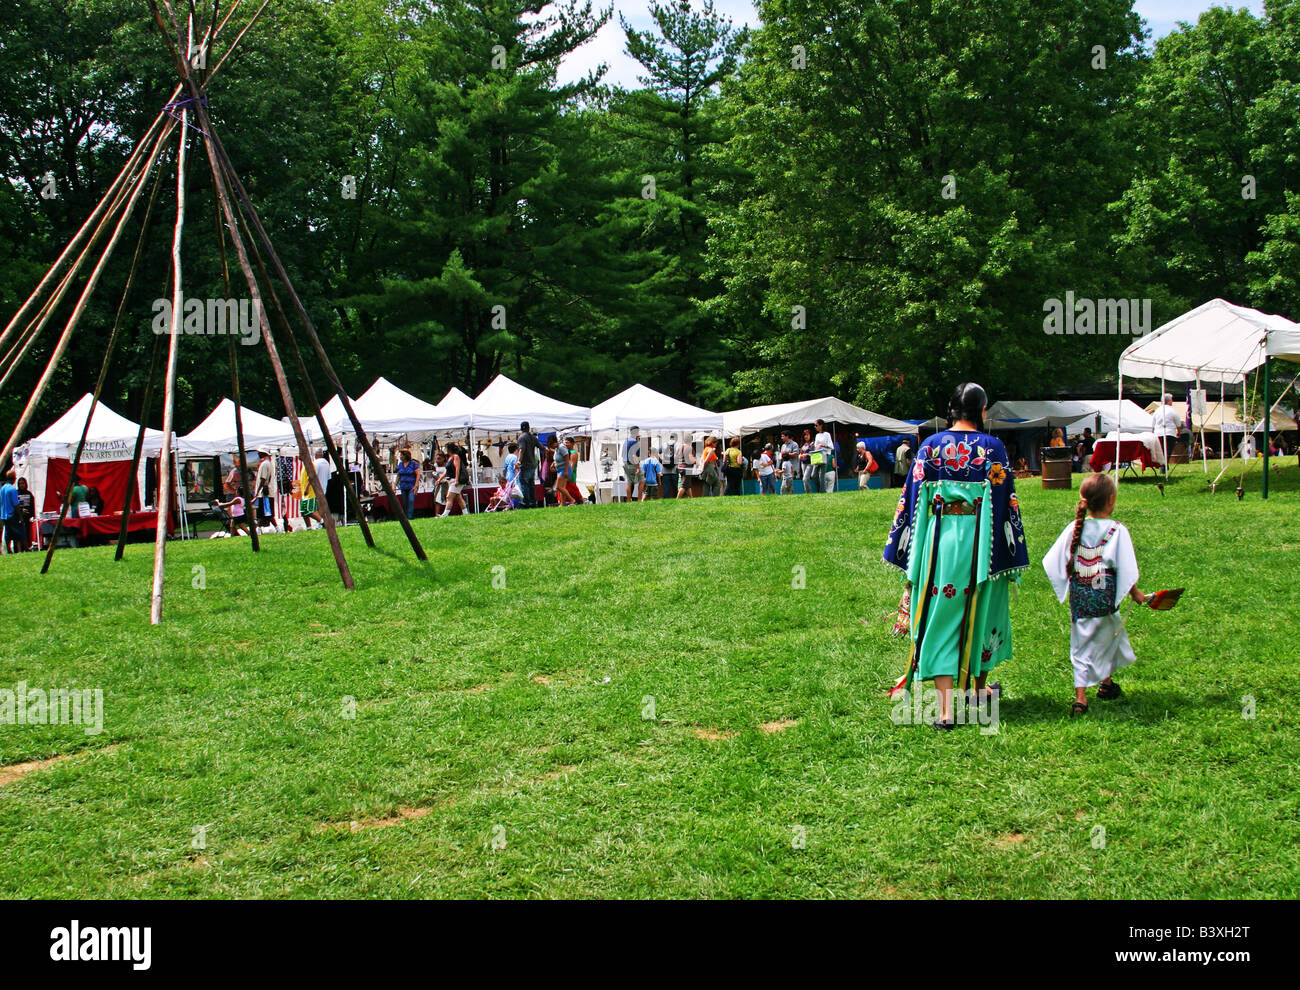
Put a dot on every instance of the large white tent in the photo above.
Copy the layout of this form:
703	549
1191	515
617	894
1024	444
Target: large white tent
657	415
504	404
336	418
457	402
216	434
740	422
386	410
110	439
1069	414
1217	341
642	406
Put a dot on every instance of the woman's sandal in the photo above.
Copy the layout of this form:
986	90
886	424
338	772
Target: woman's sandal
943	726
1080	708
1109	692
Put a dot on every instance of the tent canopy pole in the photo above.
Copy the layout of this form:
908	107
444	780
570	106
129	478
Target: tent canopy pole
1268	417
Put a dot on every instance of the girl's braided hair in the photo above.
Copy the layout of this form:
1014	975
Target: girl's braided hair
1095	492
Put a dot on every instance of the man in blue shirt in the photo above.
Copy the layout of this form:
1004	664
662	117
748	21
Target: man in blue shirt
9	513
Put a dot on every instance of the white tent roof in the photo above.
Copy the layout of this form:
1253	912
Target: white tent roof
456	401
1216	342
111	436
386	409
644	407
335	418
504	404
738	422
1069	414
216	434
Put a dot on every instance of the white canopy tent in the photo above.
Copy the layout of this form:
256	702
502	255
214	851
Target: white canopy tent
386	410
740	422
654	413
456	401
1069	414
1215	342
111	438
504	404
642	406
216	434
336	418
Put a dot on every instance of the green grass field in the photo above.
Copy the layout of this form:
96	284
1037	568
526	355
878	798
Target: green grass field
499	743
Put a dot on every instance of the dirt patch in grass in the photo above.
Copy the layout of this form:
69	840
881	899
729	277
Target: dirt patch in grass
778	726
712	735
17	771
557	774
1009	840
542	679
365	824
488	686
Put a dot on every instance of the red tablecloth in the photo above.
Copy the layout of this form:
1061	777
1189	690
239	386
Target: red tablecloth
111	525
1130	452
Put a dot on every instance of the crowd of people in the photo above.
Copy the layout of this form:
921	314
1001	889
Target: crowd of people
648	472
815	461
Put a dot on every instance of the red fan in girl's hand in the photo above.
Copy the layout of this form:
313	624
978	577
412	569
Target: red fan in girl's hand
1163	601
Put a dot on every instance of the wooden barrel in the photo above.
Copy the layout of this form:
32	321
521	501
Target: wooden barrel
1056	469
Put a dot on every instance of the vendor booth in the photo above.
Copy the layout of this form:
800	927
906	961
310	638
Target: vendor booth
657	417
845	421
493	420
46	462
1215	342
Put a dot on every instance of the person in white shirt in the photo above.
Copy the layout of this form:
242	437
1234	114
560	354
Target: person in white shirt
825	445
903	462
324	471
1167	425
767	471
1247	448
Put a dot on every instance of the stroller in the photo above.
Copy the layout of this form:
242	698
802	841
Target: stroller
505	498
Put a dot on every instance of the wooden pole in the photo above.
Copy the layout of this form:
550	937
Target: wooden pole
335	452
112	196
268	338
250	514
103	373
205	126
317	346
91	281
169	387
139	446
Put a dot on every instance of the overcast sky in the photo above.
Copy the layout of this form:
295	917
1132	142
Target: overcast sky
1161	17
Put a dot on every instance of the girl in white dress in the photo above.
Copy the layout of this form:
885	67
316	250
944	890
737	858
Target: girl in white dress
1092	562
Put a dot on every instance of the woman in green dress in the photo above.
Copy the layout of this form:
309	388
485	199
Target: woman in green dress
958	538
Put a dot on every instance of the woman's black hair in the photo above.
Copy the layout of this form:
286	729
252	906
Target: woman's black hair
968	402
